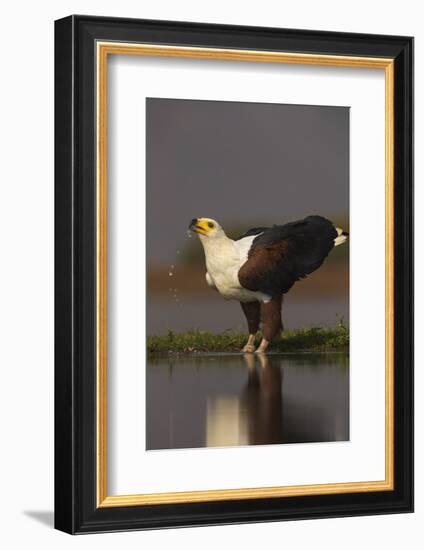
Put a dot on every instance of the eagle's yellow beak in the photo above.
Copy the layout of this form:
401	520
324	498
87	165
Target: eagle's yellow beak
200	225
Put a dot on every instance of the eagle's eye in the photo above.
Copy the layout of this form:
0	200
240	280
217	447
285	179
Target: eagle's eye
211	225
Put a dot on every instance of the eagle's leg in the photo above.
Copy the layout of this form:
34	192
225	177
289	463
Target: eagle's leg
252	311
271	322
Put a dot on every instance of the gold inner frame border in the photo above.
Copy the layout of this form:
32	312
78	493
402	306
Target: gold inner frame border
103	50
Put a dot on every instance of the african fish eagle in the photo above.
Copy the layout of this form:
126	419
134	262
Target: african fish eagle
262	265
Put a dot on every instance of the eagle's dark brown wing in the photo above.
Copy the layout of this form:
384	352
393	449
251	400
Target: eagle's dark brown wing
283	254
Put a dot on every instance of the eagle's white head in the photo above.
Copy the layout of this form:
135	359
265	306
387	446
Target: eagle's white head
206	228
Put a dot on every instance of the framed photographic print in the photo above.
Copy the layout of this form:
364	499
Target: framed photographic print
233	274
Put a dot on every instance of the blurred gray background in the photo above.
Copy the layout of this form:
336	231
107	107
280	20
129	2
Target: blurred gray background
244	164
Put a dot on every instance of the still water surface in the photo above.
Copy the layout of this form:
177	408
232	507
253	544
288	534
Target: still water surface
217	400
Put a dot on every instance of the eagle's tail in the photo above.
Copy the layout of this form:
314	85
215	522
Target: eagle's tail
341	236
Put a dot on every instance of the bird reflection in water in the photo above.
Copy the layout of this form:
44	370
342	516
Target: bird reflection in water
255	416
218	400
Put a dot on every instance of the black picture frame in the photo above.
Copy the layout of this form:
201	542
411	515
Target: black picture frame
76	510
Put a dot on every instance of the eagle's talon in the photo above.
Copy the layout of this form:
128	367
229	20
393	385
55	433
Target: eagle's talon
263	346
248	349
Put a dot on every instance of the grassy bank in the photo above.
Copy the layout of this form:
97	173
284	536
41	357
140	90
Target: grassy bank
305	339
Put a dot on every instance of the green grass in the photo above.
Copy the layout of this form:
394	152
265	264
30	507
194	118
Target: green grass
305	339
